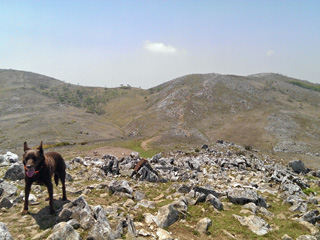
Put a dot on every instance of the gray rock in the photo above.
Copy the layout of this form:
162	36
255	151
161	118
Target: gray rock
203	225
131	226
120	186
184	189
147	204
298	166
299	207
74	223
5	203
163	234
256	224
147	174
138	195
206	191
244	196
306	237
311	216
215	202
4	232
7	190
166	216
15	172
10	157
84	217
101	229
73	209
65	231
286	237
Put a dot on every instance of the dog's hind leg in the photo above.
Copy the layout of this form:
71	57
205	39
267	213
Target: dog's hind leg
56	178
50	191
63	180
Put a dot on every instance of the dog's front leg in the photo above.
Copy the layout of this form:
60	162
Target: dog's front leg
27	190
50	191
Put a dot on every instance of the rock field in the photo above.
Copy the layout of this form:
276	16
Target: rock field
214	192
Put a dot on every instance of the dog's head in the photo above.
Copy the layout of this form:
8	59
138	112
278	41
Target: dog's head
33	159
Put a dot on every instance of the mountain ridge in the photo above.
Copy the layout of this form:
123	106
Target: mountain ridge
268	111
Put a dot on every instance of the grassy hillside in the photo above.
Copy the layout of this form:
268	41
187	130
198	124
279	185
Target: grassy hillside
277	114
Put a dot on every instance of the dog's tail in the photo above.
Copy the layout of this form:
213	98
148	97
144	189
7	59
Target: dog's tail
56	178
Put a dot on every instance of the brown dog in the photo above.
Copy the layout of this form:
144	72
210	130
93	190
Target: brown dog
39	168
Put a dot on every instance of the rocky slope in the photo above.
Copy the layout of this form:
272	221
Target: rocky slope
222	191
277	114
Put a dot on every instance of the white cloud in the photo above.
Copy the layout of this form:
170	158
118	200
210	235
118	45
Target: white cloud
270	53
159	47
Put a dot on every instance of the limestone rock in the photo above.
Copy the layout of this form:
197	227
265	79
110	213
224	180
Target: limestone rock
203	225
4	232
15	172
256	224
244	196
166	216
298	166
120	186
65	231
163	234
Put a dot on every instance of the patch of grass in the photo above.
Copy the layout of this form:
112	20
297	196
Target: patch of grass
135	145
307	85
309	191
139	217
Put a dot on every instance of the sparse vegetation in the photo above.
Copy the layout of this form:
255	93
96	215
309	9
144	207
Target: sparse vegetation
307	85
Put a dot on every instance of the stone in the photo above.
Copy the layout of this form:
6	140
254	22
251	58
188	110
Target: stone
298	166
147	204
73	209
310	216
131	226
10	157
306	237
101	228
256	224
7	190
286	237
138	195
184	189
244	196
129	203
299	207
84	217
74	223
163	234
4	232
120	186
146	173
167	215
65	231
41	235
5	203
203	225
313	229
215	202
15	172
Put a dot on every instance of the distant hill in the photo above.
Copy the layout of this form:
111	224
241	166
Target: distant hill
269	111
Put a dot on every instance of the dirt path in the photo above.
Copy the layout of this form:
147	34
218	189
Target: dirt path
145	143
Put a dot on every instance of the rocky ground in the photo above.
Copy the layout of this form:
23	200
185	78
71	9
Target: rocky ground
222	191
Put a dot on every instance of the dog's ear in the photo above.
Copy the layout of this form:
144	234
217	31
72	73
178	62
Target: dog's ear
25	146
40	148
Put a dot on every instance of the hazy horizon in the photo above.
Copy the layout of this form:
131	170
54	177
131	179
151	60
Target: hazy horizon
146	43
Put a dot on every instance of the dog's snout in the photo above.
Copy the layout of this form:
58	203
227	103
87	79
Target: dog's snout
29	166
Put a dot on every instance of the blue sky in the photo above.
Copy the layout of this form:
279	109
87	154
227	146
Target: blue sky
146	43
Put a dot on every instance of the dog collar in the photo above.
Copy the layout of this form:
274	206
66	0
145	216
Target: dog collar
35	172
